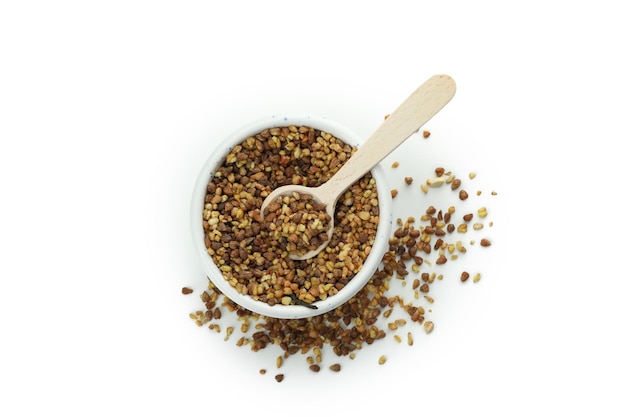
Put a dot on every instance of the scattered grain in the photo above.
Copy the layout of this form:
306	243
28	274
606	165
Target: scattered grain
229	332
429	326
435	182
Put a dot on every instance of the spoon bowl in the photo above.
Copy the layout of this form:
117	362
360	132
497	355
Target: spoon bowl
321	196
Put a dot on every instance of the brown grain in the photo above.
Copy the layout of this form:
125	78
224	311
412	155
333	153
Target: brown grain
335	367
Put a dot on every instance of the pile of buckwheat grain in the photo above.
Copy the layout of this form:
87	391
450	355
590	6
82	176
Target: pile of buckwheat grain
418	246
251	252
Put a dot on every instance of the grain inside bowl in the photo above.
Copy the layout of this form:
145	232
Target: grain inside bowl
248	252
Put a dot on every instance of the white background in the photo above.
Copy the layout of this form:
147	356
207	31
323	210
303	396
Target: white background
109	109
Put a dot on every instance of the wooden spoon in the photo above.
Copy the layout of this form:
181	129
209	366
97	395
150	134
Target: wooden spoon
416	110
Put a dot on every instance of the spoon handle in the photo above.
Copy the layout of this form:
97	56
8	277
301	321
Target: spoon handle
412	114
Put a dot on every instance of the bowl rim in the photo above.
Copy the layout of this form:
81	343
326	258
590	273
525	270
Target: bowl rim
381	239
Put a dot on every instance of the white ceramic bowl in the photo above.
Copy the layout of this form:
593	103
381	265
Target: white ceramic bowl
381	240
